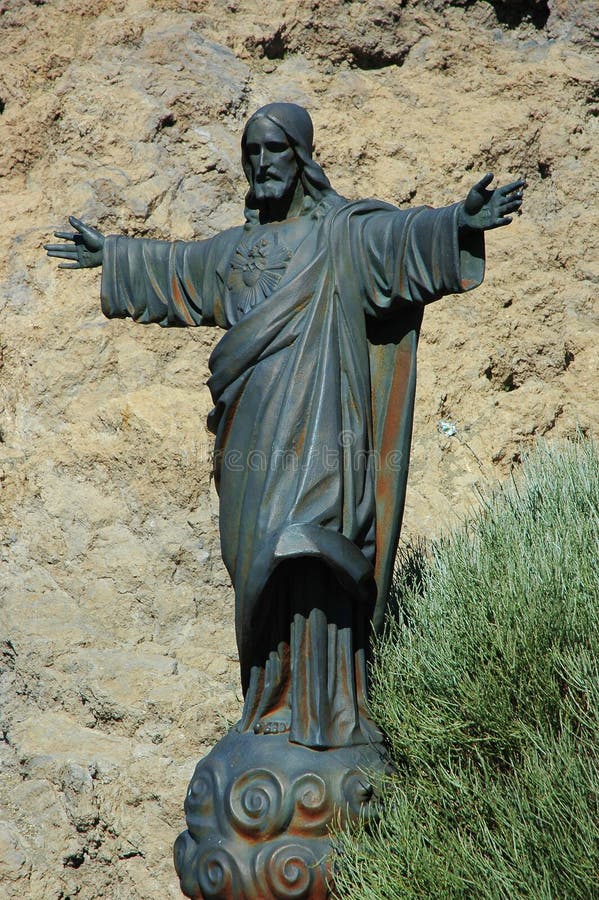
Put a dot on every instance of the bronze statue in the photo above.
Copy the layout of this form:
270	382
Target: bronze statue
313	387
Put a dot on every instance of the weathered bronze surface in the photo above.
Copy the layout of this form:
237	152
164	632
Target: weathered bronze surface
313	389
258	813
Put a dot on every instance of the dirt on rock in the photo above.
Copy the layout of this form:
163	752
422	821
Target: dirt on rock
119	667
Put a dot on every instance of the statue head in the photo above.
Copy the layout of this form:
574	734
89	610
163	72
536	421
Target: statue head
276	154
272	162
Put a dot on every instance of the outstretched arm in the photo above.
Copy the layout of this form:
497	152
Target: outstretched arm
167	282
422	254
84	247
483	209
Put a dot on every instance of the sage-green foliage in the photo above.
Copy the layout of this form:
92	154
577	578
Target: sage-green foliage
487	685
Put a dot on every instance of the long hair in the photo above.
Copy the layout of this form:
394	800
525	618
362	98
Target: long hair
296	123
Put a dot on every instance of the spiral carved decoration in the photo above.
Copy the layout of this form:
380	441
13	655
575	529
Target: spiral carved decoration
255	803
357	791
199	803
218	876
290	872
313	808
258	810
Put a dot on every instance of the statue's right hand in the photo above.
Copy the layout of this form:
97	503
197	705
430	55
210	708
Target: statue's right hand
85	247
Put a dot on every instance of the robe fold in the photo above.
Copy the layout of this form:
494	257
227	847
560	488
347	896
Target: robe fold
313	388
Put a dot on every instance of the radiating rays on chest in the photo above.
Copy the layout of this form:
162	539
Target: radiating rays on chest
257	267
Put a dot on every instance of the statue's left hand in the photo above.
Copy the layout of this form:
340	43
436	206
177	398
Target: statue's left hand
485	209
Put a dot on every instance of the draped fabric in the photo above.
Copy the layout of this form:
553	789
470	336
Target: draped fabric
313	386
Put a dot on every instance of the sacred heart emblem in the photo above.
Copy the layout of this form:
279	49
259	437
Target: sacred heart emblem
255	271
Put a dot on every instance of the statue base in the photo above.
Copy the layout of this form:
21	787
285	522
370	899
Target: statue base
259	810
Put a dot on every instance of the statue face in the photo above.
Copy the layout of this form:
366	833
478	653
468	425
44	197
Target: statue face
272	159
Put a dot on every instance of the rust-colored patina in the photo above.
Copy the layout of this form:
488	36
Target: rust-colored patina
313	389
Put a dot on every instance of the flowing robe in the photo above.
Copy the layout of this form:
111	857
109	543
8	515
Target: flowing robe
313	387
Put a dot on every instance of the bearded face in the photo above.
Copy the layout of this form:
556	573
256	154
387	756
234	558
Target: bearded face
272	160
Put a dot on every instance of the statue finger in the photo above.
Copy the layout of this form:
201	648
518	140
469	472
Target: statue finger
511	198
70	265
505	220
61	250
67	247
66	235
513	186
513	206
83	229
485	180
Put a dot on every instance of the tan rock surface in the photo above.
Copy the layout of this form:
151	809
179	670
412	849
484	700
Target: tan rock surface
119	668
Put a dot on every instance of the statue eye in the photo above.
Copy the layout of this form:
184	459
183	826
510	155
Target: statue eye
276	146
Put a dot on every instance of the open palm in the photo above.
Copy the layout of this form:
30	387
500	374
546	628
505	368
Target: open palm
484	209
85	247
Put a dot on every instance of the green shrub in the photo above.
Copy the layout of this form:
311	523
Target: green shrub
487	686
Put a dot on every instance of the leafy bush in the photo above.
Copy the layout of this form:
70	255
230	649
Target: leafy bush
487	686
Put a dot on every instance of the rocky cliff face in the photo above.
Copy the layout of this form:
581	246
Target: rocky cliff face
119	668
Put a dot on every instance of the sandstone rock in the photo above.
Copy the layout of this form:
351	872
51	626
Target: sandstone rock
13	859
